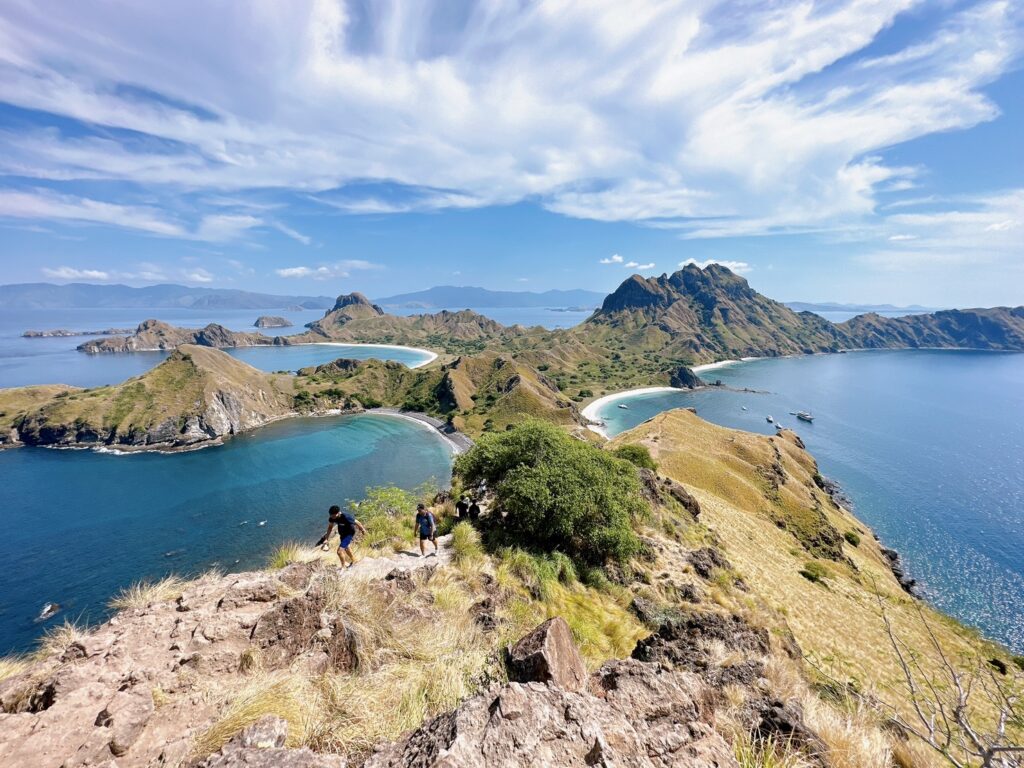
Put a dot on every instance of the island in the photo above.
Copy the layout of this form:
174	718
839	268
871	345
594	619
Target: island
64	333
272	321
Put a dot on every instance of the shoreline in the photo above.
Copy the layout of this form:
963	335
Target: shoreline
431	356
457	441
590	411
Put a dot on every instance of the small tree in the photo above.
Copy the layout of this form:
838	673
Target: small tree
553	492
944	701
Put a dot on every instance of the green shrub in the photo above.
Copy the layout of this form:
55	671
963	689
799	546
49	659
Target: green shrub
814	571
388	514
303	399
636	454
556	493
852	537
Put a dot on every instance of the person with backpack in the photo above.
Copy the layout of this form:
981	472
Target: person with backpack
426	527
347	526
462	507
474	510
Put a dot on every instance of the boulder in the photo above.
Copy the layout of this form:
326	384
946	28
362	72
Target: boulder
548	654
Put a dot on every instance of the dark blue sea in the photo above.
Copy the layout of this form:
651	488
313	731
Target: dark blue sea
80	525
928	444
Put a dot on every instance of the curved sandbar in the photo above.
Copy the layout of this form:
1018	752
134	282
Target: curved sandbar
592	412
431	356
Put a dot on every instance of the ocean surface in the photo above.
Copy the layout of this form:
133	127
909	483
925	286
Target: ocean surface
57	361
928	444
79	525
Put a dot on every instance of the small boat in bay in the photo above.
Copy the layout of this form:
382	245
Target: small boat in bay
623	405
804	416
769	419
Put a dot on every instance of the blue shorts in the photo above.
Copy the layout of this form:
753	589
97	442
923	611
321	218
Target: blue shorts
345	541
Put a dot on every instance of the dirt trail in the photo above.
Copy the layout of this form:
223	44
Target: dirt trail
378	567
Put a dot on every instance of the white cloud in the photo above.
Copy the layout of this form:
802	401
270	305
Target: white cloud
739	267
327	272
638	265
70	273
982	229
44	205
720	123
613	259
197	275
298	236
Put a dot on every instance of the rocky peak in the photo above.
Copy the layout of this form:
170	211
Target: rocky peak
637	292
355	299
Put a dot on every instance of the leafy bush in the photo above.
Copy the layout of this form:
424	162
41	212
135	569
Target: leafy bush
387	513
853	538
636	454
556	493
303	399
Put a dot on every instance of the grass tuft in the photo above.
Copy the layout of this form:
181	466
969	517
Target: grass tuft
466	547
58	639
286	554
12	665
144	593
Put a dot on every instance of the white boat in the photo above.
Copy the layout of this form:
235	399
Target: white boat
622	405
769	419
743	407
804	416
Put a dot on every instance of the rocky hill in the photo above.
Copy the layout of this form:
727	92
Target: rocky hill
355	319
155	335
272	321
474	392
1000	328
197	395
706	314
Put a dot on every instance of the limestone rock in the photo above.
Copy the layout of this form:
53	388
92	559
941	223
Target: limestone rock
548	654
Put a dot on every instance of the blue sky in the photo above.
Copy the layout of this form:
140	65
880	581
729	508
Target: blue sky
851	150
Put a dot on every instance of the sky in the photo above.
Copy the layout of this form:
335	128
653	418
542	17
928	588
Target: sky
843	150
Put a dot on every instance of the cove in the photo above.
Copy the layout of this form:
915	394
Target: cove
928	444
81	525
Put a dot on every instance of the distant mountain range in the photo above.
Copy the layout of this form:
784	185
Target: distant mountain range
461	297
831	306
90	296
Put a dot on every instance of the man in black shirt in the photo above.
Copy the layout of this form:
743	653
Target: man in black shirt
462	507
347	526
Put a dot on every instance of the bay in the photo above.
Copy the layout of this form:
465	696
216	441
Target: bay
80	525
928	444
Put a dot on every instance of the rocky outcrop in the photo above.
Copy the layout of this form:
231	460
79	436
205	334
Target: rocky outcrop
548	654
663	490
272	321
95	701
633	714
155	335
684	378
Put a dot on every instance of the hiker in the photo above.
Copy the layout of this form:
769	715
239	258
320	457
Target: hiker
474	510
462	507
347	526
426	526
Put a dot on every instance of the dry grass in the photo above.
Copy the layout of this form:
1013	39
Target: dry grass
854	736
142	594
718	467
58	639
286	695
417	655
13	665
466	548
767	753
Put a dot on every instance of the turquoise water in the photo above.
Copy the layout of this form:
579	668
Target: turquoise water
80	525
928	444
57	361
